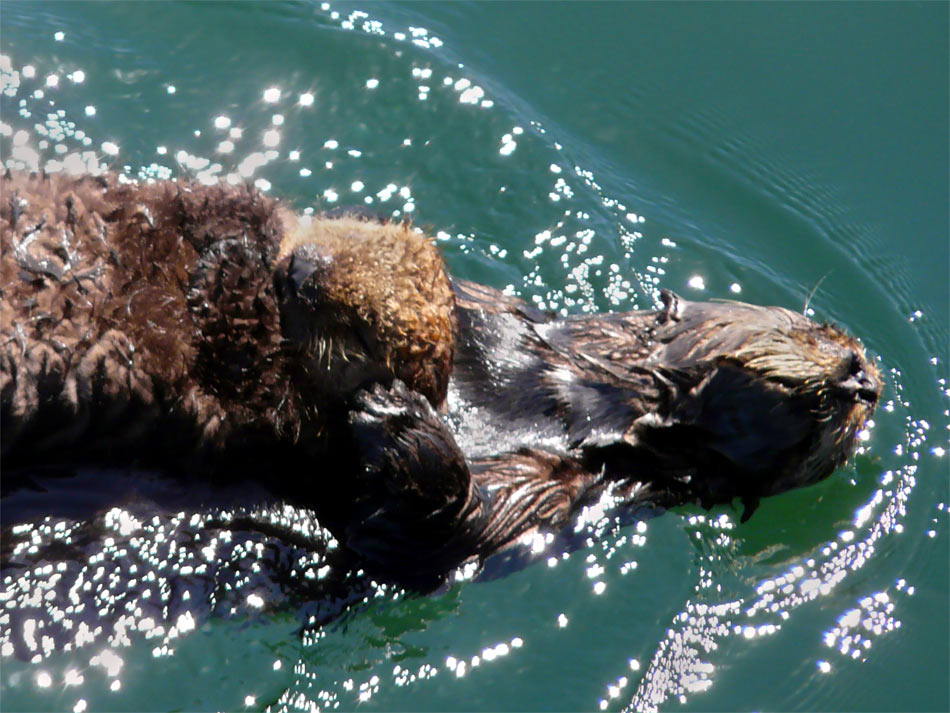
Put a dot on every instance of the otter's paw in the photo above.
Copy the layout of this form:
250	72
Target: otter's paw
414	485
404	442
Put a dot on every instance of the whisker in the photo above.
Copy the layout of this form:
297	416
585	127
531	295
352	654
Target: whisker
812	293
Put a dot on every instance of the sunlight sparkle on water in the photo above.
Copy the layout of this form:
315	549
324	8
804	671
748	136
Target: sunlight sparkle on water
775	597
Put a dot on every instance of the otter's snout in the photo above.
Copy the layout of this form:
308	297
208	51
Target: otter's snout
863	380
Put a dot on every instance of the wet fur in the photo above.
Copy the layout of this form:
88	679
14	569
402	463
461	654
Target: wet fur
163	308
208	329
693	402
104	324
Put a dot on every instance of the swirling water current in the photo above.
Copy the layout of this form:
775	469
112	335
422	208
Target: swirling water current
582	157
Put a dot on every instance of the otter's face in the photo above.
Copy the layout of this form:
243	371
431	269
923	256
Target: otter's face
770	399
338	350
365	302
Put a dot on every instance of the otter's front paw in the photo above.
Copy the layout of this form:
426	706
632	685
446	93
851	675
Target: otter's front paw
414	485
403	441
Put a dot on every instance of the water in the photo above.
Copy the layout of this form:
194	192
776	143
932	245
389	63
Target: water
581	156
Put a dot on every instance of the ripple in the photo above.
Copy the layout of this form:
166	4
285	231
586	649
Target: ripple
97	606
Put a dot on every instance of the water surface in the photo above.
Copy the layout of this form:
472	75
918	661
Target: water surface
582	157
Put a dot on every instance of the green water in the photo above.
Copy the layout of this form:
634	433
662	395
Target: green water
764	147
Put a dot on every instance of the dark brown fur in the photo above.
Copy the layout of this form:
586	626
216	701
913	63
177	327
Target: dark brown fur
134	309
426	422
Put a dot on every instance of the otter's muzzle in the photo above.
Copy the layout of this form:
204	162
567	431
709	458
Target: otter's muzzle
863	382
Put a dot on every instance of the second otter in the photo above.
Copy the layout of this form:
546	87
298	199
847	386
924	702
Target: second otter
426	421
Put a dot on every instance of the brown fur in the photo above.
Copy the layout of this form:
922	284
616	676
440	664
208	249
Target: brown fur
387	279
172	318
130	307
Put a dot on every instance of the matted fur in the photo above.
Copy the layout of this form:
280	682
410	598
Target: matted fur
138	307
426	421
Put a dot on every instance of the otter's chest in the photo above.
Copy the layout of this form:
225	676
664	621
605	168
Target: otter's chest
504	391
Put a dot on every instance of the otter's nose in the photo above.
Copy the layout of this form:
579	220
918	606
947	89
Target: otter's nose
862	380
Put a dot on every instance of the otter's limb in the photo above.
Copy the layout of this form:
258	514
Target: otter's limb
417	502
422	510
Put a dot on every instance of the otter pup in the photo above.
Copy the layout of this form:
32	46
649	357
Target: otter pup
426	421
210	311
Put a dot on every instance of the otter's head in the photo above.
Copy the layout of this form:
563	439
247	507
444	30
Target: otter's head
761	399
365	302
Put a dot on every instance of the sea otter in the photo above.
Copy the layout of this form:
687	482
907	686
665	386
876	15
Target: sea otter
426	420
